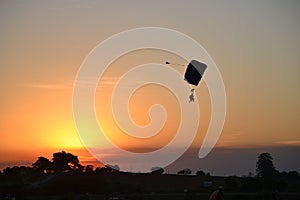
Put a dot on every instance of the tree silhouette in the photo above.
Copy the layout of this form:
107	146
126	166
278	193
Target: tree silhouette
108	169
264	166
112	168
89	168
63	162
293	174
185	171
200	173
17	170
157	170
42	165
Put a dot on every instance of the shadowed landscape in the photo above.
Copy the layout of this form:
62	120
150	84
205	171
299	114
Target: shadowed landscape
65	178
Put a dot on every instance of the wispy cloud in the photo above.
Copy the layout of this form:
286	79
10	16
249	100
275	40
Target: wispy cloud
51	86
232	138
111	81
104	82
68	84
289	142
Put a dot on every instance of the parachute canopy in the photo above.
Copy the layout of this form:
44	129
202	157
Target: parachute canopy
194	72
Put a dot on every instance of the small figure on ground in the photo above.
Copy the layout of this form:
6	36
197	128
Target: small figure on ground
217	194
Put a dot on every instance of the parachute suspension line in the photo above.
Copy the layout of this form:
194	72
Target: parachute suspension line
169	63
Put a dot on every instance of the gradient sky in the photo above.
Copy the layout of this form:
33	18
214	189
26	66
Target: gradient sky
255	44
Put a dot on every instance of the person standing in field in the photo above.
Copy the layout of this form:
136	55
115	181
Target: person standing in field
217	194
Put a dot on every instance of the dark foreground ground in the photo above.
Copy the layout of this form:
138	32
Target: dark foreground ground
166	196
131	186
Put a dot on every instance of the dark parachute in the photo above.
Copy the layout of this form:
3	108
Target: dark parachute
194	72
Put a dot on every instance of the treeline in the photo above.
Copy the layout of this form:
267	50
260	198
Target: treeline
60	162
63	174
67	162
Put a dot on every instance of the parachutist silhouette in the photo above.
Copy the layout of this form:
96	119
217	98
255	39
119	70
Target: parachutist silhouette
193	74
192	98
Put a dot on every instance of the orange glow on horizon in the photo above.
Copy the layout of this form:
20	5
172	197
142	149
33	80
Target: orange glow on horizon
44	44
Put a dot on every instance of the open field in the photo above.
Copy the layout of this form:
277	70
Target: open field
119	185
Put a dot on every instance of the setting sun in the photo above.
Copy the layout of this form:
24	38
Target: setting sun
63	136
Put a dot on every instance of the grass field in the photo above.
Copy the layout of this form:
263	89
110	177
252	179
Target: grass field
143	186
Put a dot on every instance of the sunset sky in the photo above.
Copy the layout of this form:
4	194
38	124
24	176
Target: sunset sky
255	44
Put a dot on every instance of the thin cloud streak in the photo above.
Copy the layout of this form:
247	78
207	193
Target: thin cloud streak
51	86
289	142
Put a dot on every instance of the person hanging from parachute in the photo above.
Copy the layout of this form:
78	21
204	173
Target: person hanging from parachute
193	74
192	98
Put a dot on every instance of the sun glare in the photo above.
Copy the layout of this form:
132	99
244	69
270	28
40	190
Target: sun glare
63	136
